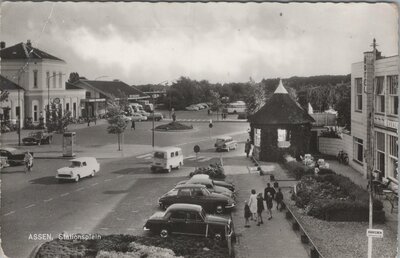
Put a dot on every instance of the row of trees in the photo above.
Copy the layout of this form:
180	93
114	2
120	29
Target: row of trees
322	92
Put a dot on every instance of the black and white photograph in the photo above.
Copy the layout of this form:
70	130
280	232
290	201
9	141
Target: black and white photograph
199	129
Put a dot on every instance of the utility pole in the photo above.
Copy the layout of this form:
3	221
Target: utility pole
369	84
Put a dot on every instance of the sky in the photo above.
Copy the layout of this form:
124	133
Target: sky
141	43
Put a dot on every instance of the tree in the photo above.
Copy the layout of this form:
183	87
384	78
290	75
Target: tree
255	98
116	121
73	77
215	101
57	121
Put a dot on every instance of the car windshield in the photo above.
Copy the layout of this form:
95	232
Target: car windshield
159	155
220	140
172	192
205	191
203	214
75	164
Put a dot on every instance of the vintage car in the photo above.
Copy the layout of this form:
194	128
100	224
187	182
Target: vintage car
189	219
79	168
167	158
210	185
197	194
227	185
192	108
138	117
14	156
37	138
157	116
225	143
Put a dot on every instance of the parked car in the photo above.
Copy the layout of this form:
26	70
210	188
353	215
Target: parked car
37	138
189	219
14	156
157	116
197	194
209	184
204	105
227	185
126	118
200	106
79	168
192	108
138	117
167	158
225	143
143	113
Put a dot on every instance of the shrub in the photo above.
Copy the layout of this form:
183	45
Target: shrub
297	169
215	171
335	197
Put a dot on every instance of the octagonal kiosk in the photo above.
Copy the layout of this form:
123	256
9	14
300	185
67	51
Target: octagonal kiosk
69	144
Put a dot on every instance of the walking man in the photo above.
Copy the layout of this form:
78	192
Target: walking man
270	190
247	147
268	201
260	208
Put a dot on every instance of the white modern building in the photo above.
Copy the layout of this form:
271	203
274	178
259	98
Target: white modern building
43	78
379	75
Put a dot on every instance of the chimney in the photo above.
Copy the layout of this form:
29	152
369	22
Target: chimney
28	43
2	44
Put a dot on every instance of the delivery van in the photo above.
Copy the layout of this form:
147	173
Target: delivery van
167	158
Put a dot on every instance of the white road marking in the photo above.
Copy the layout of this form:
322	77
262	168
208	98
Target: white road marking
142	156
104	228
120	219
135	211
9	213
120	176
79	189
48	200
64	194
148	157
30	206
131	229
105	180
95	184
190	157
204	159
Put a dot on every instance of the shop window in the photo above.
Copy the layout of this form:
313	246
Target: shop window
358	94
392	85
380	95
283	138
358	150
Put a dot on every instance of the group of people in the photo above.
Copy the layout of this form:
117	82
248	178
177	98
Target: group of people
254	207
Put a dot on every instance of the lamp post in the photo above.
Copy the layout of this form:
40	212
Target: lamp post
48	93
152	136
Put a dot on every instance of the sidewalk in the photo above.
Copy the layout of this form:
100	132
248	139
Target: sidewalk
274	238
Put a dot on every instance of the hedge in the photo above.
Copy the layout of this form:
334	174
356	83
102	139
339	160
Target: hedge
343	200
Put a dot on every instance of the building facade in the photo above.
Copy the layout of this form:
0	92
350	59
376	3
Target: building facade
13	103
377	75
43	78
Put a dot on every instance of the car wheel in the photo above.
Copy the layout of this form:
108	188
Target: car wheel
169	169
180	165
164	233
219	209
77	178
92	175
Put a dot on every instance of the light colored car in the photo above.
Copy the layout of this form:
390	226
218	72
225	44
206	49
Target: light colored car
138	117
225	143
167	158
200	106
126	118
143	113
192	108
79	168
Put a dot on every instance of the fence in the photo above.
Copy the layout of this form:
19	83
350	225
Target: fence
324	119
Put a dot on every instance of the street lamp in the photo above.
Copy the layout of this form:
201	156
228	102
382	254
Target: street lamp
48	93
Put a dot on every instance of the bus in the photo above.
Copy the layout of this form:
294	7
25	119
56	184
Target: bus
236	107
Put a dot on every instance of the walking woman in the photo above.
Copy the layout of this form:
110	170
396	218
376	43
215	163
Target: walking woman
253	204
260	208
28	160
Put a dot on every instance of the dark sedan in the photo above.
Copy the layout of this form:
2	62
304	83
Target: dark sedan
37	138
197	194
14	156
189	219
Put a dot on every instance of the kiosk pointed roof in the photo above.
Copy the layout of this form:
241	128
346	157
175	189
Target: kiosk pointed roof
281	109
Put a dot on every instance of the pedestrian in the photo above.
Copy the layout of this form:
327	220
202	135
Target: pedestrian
247	214
208	111
28	160
95	120
247	147
279	199
268	201
276	185
253	204
133	125
260	208
270	190
88	121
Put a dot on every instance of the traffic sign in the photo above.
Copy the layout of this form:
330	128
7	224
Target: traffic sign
377	233
196	148
210	125
56	101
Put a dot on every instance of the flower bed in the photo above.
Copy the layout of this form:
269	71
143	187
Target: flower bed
134	246
215	171
334	197
297	169
173	126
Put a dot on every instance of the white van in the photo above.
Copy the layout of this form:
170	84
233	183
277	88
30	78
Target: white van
167	158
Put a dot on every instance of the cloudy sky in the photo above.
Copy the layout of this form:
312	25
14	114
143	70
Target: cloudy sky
143	43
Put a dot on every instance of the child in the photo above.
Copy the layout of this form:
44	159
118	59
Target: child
247	214
260	208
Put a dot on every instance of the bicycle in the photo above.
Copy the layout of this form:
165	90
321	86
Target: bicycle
343	157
